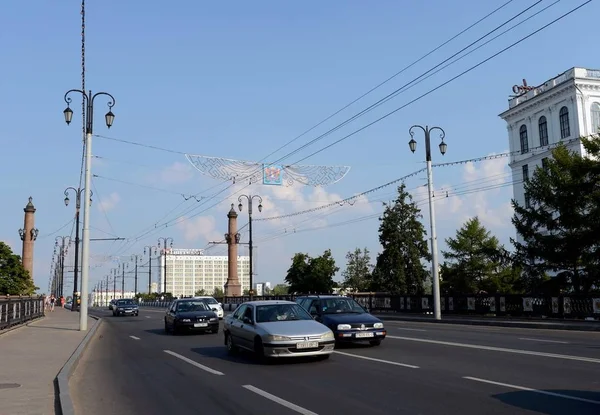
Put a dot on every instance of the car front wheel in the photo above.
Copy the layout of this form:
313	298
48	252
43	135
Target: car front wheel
231	348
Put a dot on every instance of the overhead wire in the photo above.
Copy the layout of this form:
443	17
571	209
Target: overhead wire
441	85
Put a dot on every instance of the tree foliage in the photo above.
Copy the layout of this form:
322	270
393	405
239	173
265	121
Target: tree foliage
473	263
560	223
14	278
312	275
399	267
218	293
357	275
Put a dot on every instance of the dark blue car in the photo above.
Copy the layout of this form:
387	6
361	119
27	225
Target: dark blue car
349	321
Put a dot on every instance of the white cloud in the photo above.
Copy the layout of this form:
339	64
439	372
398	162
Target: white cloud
202	227
110	202
177	173
486	191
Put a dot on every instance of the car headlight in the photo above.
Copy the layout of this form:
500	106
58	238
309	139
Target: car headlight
119	309
274	338
327	336
186	320
378	325
344	327
213	319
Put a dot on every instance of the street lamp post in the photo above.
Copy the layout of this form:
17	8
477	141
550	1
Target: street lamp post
434	254
106	291
114	277
89	123
123	266
166	244
136	260
150	250
250	198
77	209
62	243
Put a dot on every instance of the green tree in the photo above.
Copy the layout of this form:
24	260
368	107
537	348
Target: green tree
312	275
14	278
473	262
398	268
560	220
279	289
200	293
218	293
357	275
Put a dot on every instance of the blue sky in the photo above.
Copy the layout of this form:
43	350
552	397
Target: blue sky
238	80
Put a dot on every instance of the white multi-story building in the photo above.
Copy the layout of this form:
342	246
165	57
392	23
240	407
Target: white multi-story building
102	298
563	108
189	270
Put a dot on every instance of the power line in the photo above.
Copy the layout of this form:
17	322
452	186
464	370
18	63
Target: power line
444	83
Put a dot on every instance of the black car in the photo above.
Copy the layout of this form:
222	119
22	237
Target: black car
125	307
349	321
189	314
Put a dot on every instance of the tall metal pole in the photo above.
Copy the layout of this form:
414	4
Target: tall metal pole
136	259
115	283
250	199
60	245
77	210
122	280
106	293
89	118
434	250
150	249
165	242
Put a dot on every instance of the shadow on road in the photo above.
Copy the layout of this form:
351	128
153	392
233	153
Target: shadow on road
553	405
52	328
246	358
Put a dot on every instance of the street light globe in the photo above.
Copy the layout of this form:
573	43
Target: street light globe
110	118
67	201
443	147
413	145
240	206
260	207
68	115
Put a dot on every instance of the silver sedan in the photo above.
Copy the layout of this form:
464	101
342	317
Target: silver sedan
276	329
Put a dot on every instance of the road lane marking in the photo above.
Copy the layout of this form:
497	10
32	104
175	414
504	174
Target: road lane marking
389	362
194	363
542	340
135	338
500	349
558	395
278	400
148	317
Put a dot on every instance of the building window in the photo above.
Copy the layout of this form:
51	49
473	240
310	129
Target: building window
543	129
523	138
545	163
595	118
563	117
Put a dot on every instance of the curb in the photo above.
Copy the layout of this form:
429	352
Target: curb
20	326
515	324
61	382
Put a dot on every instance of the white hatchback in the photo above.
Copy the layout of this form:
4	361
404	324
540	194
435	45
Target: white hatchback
214	305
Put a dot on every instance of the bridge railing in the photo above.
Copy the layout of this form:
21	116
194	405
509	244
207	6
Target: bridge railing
15	310
569	306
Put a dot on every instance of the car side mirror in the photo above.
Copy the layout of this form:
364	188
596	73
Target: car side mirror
246	320
221	304
366	309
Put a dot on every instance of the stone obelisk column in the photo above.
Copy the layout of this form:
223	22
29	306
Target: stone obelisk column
232	286
28	235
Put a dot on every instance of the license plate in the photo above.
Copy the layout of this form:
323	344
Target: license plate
200	324
307	345
361	335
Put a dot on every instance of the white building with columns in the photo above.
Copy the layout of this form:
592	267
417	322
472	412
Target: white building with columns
189	270
563	108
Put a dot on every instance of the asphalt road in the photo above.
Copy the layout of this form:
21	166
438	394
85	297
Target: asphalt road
132	367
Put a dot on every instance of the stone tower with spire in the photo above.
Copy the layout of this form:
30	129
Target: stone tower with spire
232	286
28	235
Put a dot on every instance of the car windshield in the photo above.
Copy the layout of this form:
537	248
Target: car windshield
185	306
340	305
125	302
280	312
210	301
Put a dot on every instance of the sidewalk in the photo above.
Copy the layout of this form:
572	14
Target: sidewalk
32	356
548	324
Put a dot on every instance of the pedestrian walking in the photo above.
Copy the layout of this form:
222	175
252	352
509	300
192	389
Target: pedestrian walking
52	301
